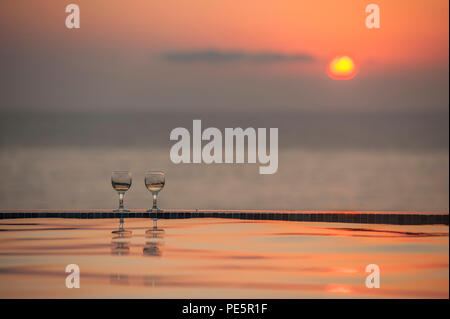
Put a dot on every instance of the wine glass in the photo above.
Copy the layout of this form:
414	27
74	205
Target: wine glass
121	182
155	181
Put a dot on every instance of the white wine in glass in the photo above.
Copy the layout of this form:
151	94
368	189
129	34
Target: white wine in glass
155	187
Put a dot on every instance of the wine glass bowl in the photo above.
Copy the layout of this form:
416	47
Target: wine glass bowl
121	180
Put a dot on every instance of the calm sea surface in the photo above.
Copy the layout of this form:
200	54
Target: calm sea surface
326	162
216	258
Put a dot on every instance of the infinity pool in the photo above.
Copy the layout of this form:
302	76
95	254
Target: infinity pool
221	258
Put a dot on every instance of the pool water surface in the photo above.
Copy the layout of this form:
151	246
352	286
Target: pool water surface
221	258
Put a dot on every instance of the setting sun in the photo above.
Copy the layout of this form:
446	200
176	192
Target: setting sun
341	68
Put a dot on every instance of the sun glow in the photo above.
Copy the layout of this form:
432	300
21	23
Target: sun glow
341	68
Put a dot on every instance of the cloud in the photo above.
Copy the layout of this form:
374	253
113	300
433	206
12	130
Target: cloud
220	56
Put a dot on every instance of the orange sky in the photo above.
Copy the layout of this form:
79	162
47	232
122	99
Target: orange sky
124	44
413	33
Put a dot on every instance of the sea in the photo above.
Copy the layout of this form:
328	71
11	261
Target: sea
343	161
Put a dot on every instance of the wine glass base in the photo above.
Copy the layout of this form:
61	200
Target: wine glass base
123	232
154	230
155	210
121	211
120	251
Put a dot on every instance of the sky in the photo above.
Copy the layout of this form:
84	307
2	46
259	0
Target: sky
183	55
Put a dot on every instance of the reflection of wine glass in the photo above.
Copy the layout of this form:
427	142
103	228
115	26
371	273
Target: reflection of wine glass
121	182
120	245
121	231
154	181
153	244
118	279
155	235
151	249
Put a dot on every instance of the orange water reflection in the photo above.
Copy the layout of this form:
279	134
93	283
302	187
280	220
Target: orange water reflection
218	258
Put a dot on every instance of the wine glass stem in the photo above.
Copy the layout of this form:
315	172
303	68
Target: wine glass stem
121	200
154	202
121	224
